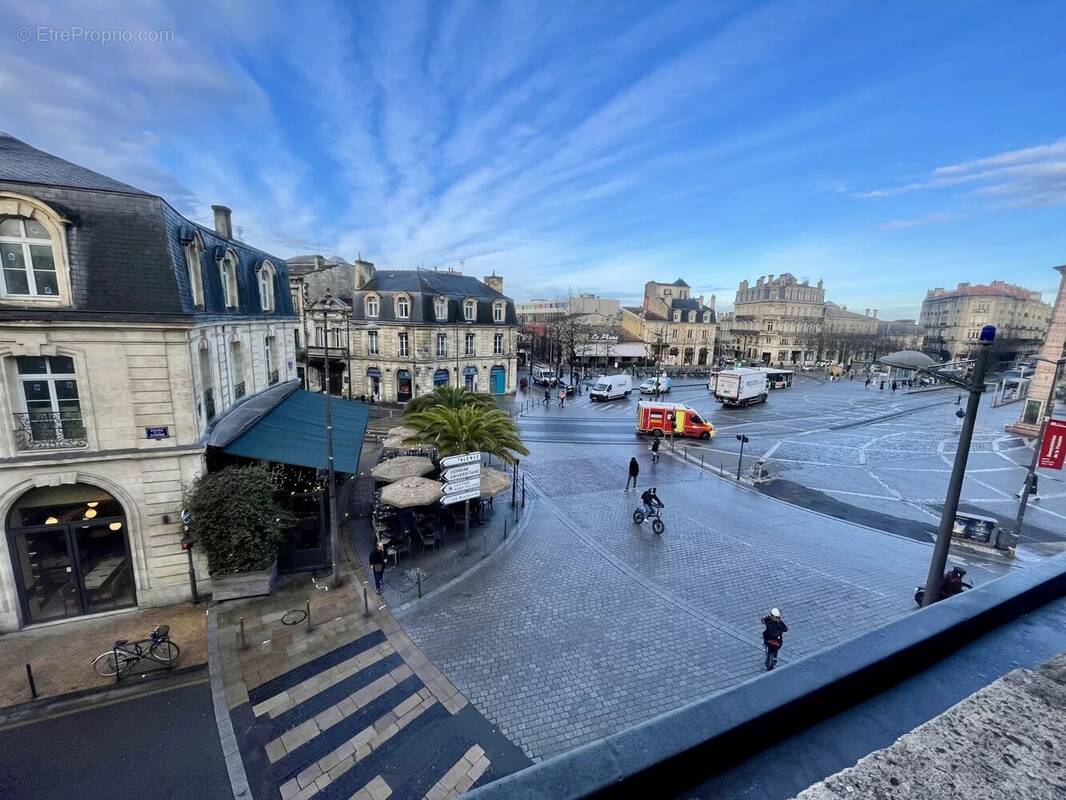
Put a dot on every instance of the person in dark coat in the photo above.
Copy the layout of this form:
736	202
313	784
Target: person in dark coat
634	470
655	450
377	564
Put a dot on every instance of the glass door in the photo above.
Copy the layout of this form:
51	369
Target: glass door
104	565
47	573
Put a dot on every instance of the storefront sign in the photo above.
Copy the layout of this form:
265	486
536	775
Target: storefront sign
1053	448
161	432
455	461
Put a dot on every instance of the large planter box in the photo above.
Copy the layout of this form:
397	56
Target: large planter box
244	584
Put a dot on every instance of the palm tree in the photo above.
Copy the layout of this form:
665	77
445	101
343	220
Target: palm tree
448	397
468	428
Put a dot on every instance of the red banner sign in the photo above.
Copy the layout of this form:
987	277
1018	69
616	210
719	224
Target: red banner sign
1053	448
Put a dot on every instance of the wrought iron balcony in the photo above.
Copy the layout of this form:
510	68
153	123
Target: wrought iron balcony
209	404
48	430
238	391
274	378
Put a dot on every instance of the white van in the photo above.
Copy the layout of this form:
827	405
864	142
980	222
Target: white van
542	375
611	387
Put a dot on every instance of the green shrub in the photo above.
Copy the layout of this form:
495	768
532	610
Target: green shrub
236	519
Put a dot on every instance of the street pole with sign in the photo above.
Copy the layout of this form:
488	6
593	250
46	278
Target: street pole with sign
976	388
462	483
740	461
186	545
1030	476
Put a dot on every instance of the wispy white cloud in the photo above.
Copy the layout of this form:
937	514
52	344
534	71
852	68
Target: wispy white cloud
1031	176
932	218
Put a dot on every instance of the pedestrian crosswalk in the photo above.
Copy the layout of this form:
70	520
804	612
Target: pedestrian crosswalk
361	722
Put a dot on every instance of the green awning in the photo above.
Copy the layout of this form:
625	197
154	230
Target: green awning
294	432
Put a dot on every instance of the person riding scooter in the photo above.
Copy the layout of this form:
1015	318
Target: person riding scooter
953	583
773	636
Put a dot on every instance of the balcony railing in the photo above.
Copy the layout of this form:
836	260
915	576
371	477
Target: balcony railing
274	378
209	404
238	391
48	430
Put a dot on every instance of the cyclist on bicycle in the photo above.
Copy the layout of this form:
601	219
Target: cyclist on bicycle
773	635
651	502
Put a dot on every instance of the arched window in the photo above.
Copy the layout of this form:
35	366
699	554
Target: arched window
470	310
372	305
403	306
227	268
266	286
194	251
30	247
440	308
498	312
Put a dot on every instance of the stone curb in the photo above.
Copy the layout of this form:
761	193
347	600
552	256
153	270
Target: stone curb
679	749
230	751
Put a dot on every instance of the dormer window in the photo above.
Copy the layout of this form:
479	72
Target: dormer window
403	307
440	308
28	263
371	305
228	275
470	310
677	316
498	312
266	286
691	316
706	317
194	251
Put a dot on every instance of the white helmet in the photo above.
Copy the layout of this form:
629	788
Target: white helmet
775	613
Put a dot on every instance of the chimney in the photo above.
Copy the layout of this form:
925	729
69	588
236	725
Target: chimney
364	272
875	313
867	312
494	282
223	223
712	302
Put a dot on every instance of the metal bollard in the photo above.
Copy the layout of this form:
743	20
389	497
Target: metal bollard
242	633
33	686
523	491
701	460
307	610
484	545
418	579
366	603
505	528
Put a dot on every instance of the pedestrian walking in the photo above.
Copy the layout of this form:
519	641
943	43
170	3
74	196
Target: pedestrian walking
377	565
547	397
867	384
882	386
562	397
655	450
634	470
893	386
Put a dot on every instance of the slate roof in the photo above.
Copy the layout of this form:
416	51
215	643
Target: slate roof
680	282
24	164
422	286
833	310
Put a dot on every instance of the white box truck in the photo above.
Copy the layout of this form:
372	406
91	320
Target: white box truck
611	387
741	387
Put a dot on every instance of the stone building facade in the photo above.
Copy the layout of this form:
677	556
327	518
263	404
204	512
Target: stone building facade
953	318
778	320
125	332
414	330
678	329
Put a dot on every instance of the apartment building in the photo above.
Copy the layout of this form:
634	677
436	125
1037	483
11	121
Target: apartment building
778	320
677	328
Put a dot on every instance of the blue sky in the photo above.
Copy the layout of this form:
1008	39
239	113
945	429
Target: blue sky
886	148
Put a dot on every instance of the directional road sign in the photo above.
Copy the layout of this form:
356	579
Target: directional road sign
449	499
464	471
468	485
465	458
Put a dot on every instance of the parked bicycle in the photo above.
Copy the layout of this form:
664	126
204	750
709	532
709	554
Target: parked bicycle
156	646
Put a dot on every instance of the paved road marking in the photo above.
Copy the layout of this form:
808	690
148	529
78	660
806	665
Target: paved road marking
463	774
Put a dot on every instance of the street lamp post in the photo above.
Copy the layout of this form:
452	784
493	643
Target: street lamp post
348	333
976	388
1048	407
335	575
